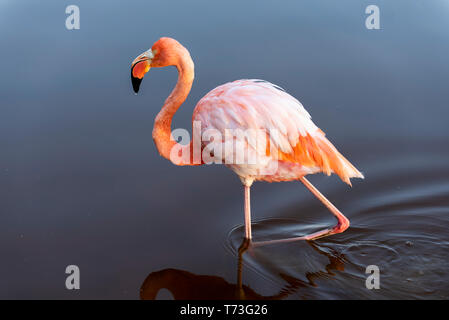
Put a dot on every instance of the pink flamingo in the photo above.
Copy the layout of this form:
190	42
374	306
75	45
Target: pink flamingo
299	148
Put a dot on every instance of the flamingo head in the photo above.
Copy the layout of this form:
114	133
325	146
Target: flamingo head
164	52
139	67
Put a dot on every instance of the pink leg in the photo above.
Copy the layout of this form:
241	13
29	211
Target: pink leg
343	222
247	213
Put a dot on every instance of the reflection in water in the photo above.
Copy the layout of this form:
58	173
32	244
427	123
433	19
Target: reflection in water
184	285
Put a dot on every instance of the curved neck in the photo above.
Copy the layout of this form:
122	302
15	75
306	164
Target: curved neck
162	124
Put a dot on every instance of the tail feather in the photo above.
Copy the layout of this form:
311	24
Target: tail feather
337	162
317	151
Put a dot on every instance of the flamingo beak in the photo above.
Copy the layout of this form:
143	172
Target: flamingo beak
139	67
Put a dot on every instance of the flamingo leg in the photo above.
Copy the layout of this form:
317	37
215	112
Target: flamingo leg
247	213
343	222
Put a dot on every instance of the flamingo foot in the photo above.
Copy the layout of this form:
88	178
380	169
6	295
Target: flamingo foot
342	225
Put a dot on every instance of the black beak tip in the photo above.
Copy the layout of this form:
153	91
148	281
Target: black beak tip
136	83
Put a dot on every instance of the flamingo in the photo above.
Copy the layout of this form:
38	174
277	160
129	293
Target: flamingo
297	148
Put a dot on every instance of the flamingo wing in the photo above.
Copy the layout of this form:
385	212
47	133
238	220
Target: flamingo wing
258	104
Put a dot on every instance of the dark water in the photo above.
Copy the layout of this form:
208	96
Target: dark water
81	182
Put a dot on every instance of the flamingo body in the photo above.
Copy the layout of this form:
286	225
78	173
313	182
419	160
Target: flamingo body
300	147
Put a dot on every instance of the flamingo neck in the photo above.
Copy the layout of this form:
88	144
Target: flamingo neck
162	124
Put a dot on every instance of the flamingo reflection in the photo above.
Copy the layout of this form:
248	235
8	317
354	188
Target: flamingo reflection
184	285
